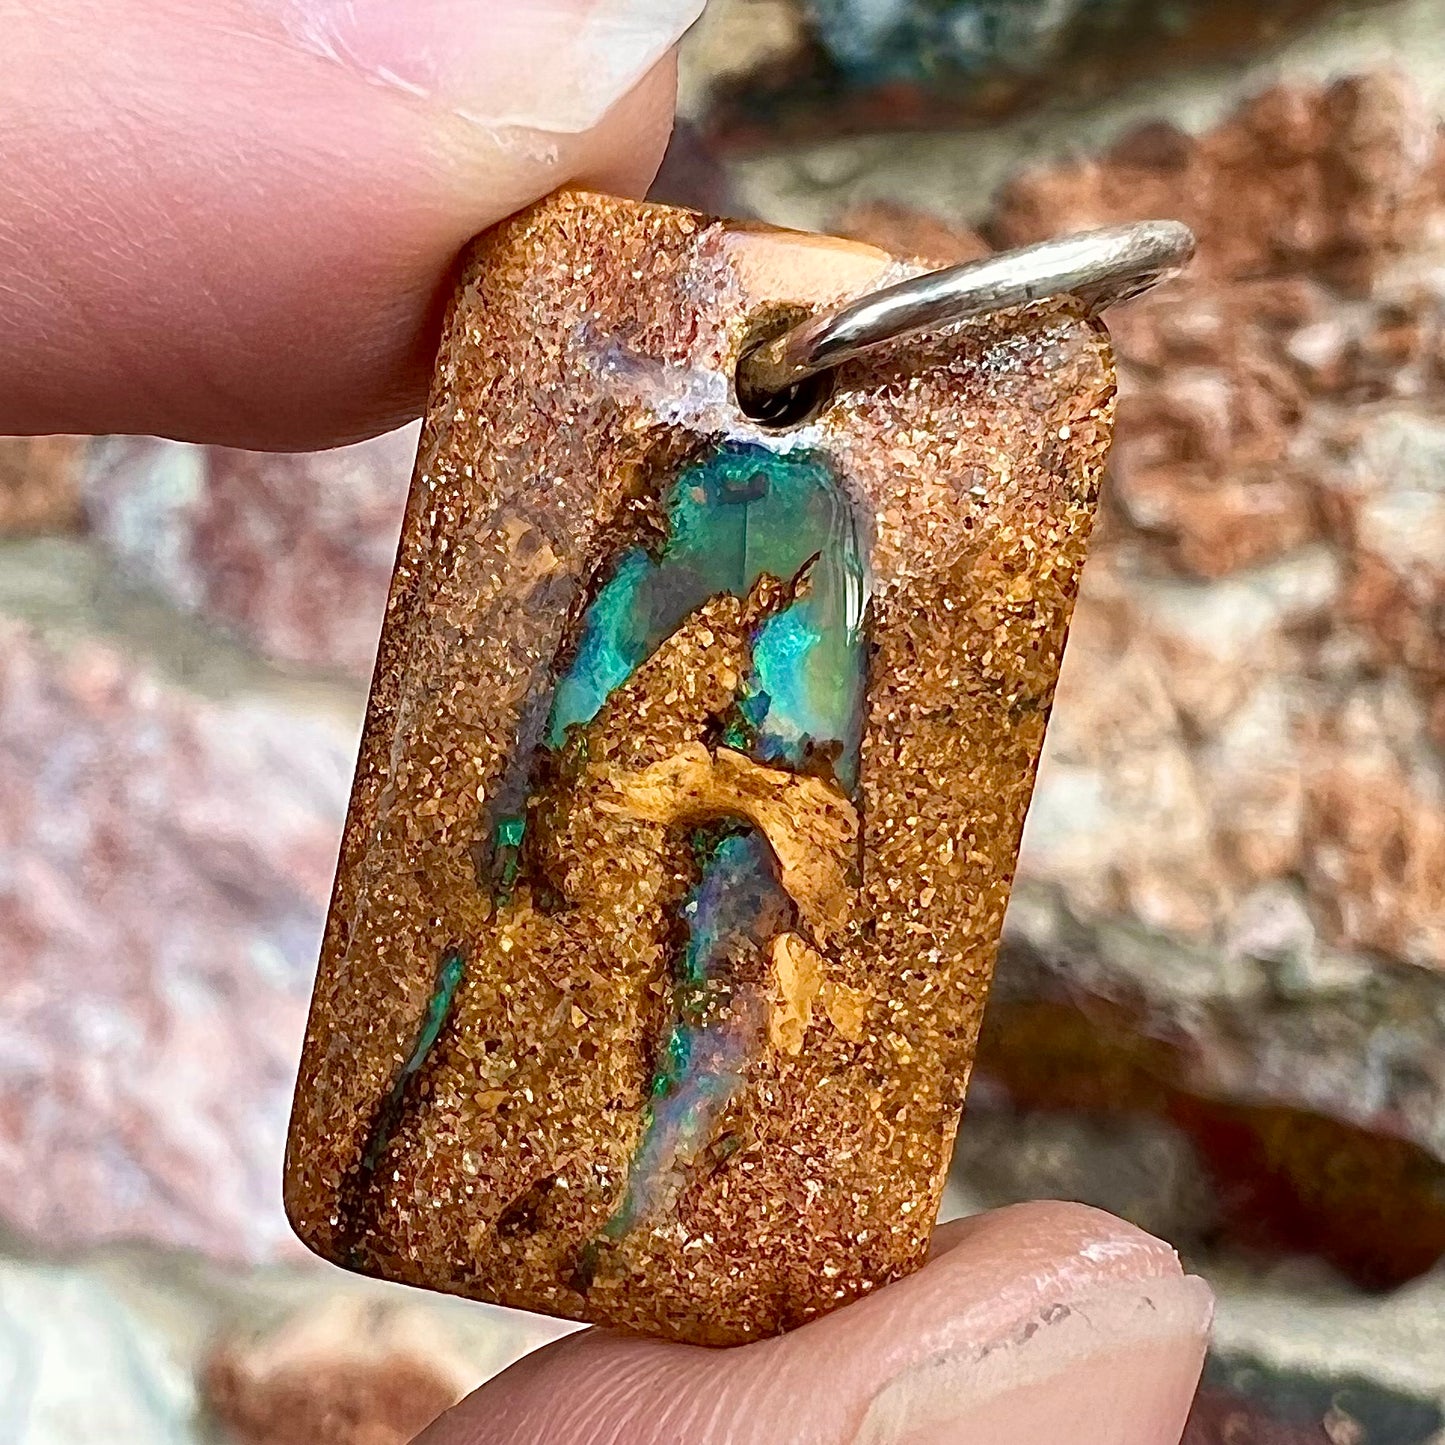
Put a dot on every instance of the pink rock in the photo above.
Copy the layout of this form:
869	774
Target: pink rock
164	868
1238	836
293	553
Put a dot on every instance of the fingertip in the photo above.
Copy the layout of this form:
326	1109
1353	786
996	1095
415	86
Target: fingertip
1039	1322
1079	1236
626	148
1118	1366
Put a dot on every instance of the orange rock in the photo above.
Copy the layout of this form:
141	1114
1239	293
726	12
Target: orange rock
39	484
1331	180
346	1374
1376	861
907	232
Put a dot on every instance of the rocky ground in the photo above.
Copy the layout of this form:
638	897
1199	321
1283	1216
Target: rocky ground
1221	1009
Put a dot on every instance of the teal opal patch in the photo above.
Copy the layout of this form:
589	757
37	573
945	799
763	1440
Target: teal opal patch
739	513
506	856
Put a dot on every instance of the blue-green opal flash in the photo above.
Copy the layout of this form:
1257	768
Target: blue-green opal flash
507	855
718	1022
450	973
737	514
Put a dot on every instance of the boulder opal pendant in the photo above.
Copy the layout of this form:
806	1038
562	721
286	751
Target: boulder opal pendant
692	781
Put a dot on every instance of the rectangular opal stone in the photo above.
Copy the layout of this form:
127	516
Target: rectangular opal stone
691	785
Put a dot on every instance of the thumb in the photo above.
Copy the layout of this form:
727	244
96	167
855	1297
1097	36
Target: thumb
1047	1323
233	220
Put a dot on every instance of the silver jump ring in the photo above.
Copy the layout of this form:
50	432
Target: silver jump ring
1099	267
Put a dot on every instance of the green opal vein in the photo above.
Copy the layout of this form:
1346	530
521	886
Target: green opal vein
737	514
450	972
359	1192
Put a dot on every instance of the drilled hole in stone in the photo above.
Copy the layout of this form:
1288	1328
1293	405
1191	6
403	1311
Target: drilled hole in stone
791	407
795	404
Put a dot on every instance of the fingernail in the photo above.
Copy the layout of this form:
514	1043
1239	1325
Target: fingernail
551	65
1115	1368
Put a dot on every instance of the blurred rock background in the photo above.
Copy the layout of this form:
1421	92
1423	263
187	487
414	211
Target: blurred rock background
1221	1007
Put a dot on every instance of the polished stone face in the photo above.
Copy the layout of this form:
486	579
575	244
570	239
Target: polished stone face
737	516
721	963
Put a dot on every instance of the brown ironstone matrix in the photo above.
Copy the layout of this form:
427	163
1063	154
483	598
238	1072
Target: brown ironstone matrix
692	782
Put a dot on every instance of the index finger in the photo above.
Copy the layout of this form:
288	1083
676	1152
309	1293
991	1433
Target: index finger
234	220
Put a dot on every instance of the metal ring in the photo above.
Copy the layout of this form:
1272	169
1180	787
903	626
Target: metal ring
1099	267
